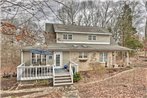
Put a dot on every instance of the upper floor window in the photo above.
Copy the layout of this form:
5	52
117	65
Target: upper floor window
92	37
103	56
67	36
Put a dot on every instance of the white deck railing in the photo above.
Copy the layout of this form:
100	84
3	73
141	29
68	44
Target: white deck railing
34	72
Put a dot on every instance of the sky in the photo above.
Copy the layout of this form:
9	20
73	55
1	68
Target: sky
51	17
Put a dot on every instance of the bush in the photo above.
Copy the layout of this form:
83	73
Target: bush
76	77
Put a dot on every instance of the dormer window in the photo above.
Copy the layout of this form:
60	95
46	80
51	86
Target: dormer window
67	36
92	37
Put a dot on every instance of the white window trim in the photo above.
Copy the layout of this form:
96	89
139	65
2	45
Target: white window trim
92	37
40	58
83	54
103	56
67	36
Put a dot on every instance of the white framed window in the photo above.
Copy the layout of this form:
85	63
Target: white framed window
38	59
83	55
67	36
103	56
91	37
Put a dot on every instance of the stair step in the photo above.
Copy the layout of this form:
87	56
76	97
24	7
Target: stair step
59	84
61	75
58	78
63	81
67	78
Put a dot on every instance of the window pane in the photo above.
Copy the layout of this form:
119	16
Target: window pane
101	57
50	57
65	36
80	54
69	36
105	57
94	37
85	54
89	37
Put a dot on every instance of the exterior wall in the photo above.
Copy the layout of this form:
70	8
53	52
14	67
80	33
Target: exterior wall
82	38
92	57
27	58
66	58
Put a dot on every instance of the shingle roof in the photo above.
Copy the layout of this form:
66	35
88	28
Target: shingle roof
79	29
83	47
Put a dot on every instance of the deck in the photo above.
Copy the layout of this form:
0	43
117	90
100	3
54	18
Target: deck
40	72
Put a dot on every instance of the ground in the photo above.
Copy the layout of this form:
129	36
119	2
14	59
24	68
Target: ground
127	84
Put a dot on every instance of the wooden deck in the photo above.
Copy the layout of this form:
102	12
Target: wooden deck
43	72
34	72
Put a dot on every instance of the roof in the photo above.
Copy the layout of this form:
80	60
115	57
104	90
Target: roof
81	47
59	28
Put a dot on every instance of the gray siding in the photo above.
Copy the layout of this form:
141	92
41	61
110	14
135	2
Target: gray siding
82	38
66	58
26	58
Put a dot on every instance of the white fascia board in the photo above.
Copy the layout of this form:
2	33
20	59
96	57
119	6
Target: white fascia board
83	42
97	33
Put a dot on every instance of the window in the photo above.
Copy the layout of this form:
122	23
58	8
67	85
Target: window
50	57
38	59
103	57
83	55
92	37
67	36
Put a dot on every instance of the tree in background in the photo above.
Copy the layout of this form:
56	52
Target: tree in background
127	32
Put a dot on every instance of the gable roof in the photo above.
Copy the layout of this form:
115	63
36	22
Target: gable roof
59	28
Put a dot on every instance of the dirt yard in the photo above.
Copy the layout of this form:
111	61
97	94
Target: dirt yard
131	84
126	84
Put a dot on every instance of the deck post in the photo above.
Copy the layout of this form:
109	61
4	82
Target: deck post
36	71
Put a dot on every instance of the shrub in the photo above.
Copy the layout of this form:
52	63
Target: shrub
76	77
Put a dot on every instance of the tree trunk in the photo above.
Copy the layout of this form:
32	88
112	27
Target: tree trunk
145	38
146	32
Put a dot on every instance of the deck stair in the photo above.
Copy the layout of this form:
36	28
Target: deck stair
62	77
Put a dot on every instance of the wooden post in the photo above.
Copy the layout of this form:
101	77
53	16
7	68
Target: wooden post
36	71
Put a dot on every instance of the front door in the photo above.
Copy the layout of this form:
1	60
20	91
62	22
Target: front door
58	59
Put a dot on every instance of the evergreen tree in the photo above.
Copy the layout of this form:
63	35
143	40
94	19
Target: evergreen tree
127	31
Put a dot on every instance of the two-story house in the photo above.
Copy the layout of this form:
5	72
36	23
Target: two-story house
74	47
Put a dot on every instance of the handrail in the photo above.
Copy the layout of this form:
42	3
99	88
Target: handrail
22	64
75	65
73	62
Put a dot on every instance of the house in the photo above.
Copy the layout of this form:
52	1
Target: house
74	47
